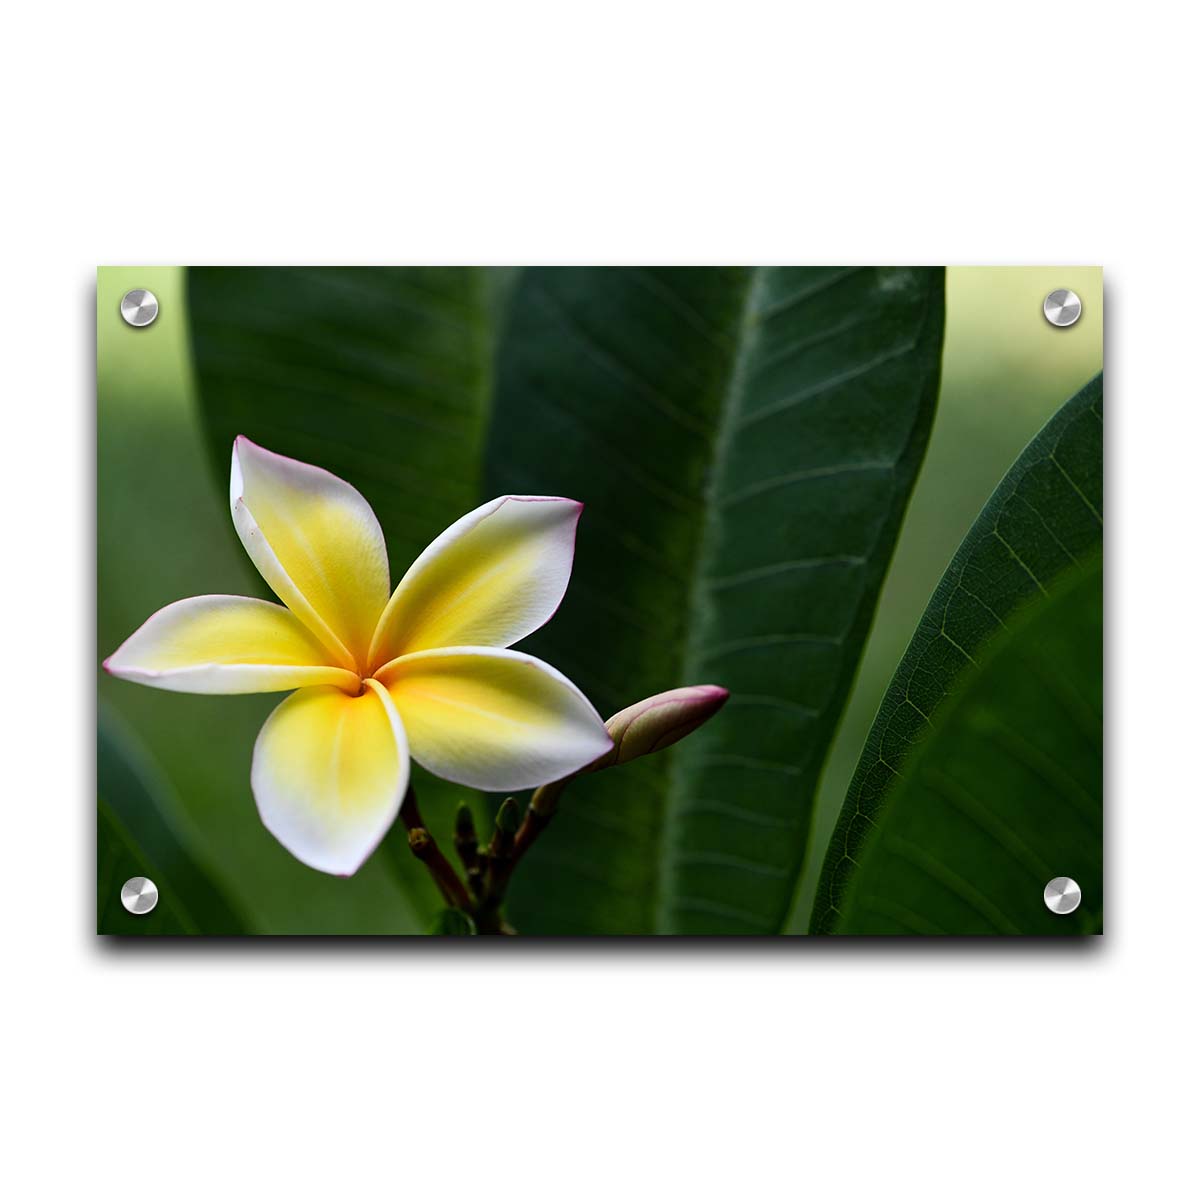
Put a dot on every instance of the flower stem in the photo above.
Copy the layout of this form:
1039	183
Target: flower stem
466	840
500	862
541	810
466	843
421	842
488	871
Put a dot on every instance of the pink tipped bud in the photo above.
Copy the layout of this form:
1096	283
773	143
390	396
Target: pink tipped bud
659	721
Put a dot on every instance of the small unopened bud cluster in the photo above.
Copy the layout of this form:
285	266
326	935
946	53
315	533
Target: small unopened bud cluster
643	728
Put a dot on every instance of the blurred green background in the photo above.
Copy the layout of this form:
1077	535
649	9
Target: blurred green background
164	533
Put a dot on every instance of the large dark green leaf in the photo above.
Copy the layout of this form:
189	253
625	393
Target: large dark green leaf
1003	793
139	832
1029	542
381	375
745	441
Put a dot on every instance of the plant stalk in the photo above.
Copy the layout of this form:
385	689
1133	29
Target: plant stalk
421	842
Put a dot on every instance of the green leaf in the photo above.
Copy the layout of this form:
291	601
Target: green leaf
745	441
452	922
1007	661
382	376
140	832
1003	793
379	374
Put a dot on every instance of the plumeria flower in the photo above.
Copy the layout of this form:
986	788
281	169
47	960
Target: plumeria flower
426	672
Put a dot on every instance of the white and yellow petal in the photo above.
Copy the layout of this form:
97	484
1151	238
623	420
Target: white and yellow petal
316	542
492	578
226	645
329	774
493	719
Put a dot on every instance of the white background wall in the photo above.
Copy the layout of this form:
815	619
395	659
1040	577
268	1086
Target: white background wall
622	132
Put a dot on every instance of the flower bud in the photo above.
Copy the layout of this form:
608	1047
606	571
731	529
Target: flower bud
466	840
464	823
508	819
659	721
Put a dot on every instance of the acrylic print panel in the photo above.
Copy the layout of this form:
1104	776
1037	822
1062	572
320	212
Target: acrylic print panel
572	601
